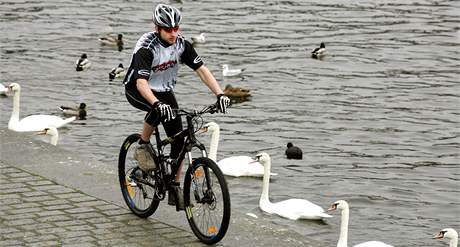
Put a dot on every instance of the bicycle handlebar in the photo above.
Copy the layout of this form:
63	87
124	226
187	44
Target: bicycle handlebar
207	109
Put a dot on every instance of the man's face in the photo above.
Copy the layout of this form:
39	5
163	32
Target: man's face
168	34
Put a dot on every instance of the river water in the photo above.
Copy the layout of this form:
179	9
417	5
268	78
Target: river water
378	118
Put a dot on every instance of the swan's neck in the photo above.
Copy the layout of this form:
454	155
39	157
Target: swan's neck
54	139
264	199
213	145
343	239
14	119
453	242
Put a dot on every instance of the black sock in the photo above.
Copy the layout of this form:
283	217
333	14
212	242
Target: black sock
143	142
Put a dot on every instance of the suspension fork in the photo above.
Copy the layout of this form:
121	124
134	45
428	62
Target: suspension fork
190	158
205	169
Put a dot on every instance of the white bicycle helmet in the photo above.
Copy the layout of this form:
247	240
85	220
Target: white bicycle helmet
166	16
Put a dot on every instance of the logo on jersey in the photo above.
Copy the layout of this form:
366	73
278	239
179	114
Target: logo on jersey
164	66
197	60
144	72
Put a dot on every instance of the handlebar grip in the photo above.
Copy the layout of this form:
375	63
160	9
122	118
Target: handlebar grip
213	108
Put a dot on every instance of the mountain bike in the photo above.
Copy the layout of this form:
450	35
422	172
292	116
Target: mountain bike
205	192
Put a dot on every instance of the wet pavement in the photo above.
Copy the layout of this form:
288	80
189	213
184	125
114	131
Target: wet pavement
53	197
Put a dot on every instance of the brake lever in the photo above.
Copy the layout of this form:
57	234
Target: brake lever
213	109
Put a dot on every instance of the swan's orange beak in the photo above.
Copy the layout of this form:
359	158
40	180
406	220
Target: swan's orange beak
202	130
440	235
333	207
255	159
43	132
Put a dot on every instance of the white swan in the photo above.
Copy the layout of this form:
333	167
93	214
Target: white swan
53	132
448	233
343	239
3	89
235	166
33	122
293	208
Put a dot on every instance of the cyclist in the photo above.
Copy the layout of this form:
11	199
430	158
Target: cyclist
151	78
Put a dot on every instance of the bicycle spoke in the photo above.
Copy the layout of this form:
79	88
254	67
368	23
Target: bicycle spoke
209	216
137	187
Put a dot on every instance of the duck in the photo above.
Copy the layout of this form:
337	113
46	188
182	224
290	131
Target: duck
293	209
112	41
448	233
236	92
319	51
343	239
83	63
226	71
293	152
79	112
199	39
33	122
51	131
117	72
235	166
3	90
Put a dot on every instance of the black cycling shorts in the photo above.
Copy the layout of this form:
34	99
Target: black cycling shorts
171	127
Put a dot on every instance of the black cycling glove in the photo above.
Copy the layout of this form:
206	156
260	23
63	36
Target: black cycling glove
164	110
223	102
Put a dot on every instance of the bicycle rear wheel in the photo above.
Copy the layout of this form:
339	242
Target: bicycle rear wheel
207	200
139	196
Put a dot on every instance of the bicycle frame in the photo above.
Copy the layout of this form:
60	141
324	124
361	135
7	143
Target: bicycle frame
190	141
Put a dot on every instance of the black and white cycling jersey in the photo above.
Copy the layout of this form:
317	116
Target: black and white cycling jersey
158	62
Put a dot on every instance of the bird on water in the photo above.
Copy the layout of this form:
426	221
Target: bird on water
293	152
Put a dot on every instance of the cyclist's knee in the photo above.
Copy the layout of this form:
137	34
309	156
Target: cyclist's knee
151	117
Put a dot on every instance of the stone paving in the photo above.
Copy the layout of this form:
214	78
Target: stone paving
53	197
35	211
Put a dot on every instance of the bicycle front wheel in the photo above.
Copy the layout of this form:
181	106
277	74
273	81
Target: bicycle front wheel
136	185
207	200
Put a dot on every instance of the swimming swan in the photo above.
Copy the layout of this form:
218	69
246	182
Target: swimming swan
235	166
448	233
343	239
293	208
53	132
33	122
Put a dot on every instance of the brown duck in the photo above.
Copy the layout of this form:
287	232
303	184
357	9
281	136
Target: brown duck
236	92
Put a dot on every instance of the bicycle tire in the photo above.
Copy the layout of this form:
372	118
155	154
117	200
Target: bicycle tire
139	198
207	223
